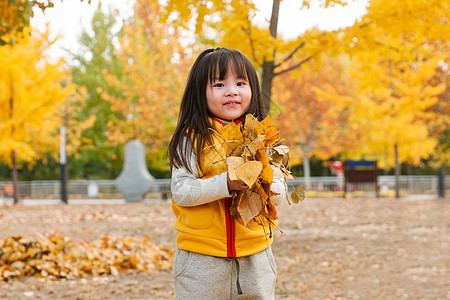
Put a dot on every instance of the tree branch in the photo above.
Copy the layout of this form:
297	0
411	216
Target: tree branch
295	66
291	54
248	31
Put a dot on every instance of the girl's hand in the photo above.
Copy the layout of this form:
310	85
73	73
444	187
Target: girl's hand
235	185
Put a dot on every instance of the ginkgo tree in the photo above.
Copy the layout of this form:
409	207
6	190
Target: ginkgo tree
440	125
31	89
15	17
396	107
149	89
394	60
231	24
37	99
316	126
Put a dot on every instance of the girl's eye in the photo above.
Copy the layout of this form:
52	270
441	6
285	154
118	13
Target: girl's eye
218	85
241	83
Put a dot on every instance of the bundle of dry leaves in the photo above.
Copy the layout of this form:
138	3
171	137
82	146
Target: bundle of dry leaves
254	152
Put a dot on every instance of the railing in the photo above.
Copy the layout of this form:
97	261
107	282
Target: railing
409	185
320	187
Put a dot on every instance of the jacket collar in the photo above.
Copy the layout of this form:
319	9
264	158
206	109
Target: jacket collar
225	122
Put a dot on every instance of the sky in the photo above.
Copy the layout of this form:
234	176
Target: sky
68	18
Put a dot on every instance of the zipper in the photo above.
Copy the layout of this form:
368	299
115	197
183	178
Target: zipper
231	249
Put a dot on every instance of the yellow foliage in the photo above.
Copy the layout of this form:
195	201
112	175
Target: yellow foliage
151	84
75	128
394	63
13	15
313	113
31	90
395	50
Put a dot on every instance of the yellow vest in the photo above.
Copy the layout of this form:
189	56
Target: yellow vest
210	228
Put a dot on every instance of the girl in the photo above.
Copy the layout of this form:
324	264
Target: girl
217	256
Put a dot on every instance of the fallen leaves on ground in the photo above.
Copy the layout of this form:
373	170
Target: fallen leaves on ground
67	217
55	256
331	248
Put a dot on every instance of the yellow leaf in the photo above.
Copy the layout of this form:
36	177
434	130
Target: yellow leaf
298	195
233	139
255	145
249	172
232	131
267	172
233	162
252	127
276	159
270	132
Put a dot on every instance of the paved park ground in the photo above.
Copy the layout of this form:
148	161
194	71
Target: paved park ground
329	249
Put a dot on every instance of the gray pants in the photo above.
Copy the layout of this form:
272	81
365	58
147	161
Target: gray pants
199	276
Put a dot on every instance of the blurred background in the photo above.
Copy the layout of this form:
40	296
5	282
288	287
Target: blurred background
343	80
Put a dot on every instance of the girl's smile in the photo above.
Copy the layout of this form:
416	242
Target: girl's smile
228	98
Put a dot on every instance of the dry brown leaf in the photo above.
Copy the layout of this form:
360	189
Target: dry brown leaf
236	151
272	211
260	190
234	204
282	149
276	159
255	145
249	172
252	127
267	172
250	207
233	162
298	195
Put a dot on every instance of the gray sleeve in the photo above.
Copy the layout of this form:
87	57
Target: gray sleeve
189	190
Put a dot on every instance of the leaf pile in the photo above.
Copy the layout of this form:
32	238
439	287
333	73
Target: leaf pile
254	151
55	256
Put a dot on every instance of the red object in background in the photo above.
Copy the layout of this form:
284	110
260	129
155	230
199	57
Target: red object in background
8	189
336	167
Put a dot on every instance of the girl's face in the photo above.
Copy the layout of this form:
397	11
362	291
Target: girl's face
229	98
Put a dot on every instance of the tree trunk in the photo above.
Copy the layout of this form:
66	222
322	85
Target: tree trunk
441	181
269	63
306	171
14	175
15	178
397	172
267	78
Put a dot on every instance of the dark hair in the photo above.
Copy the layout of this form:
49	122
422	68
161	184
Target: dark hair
193	117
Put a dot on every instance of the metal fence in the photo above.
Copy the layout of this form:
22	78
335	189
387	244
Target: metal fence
409	185
320	187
